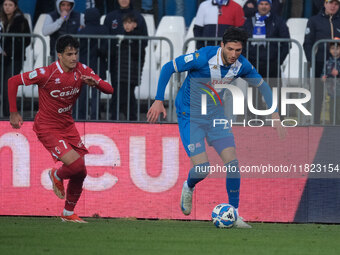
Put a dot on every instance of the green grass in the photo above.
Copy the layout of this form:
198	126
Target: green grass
40	235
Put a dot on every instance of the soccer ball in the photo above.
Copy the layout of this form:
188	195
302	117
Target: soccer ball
224	216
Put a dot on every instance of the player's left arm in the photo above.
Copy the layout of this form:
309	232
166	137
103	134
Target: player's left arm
93	80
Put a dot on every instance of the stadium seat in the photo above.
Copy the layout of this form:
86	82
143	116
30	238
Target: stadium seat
38	46
102	19
148	86
37	54
190	34
150	23
290	70
28	63
173	28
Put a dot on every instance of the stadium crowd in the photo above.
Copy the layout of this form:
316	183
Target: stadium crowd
123	65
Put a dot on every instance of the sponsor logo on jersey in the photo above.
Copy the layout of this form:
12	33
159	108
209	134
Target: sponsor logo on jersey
188	58
57	93
66	109
33	74
57	81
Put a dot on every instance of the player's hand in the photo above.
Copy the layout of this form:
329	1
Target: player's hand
64	15
335	72
281	130
15	120
155	110
89	80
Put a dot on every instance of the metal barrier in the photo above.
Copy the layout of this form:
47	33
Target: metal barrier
286	74
29	53
328	106
147	76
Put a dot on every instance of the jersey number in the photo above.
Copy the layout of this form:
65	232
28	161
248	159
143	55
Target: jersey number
63	142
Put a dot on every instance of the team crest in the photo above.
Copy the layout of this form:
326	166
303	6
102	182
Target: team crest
197	54
75	76
114	24
57	149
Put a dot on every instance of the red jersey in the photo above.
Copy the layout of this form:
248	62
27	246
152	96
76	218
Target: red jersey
58	91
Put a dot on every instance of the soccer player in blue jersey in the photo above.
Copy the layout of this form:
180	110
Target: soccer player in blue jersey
217	64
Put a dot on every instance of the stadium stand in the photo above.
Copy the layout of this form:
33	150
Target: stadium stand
173	28
190	34
297	27
143	91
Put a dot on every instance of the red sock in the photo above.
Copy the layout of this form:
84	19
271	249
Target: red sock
74	190
76	172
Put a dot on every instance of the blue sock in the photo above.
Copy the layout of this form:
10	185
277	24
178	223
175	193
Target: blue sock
233	182
197	174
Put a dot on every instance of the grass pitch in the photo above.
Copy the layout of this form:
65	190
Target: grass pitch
40	235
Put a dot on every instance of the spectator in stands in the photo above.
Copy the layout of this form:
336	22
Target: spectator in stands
317	6
43	6
324	25
12	20
60	22
130	60
214	17
266	24
250	8
104	6
147	6
331	78
89	54
114	23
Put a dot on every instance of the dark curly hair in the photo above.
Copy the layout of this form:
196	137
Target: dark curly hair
235	34
65	41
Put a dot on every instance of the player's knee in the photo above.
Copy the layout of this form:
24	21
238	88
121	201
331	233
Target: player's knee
200	171
232	169
78	168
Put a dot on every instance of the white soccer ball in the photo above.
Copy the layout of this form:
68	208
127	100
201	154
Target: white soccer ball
224	216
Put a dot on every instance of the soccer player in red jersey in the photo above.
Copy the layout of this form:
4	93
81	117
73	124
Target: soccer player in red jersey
59	87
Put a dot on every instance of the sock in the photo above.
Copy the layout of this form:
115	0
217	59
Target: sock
197	174
233	182
67	213
74	190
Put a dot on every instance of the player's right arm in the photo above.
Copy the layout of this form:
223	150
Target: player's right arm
180	64
14	82
15	118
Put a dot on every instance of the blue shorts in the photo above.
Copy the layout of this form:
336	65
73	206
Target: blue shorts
194	130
